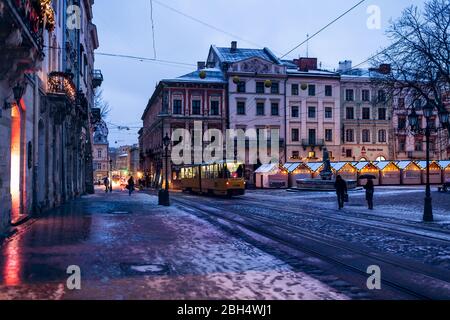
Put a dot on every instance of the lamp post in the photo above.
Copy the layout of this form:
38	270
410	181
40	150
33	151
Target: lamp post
18	92
164	199
110	175
413	119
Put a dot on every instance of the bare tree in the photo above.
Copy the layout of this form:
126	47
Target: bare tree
419	56
101	104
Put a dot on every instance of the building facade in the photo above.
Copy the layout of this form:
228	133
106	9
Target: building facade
409	146
46	84
256	81
366	116
181	103
312	111
100	153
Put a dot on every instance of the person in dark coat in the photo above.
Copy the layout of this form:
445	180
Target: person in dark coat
341	191
131	185
106	184
370	190
240	171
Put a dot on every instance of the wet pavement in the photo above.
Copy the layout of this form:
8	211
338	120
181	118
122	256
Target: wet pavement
130	248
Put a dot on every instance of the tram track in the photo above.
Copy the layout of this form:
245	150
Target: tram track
413	280
408	229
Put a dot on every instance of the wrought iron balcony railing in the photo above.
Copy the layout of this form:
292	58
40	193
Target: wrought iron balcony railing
61	83
313	143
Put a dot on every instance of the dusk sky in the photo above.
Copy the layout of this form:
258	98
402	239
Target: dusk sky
126	29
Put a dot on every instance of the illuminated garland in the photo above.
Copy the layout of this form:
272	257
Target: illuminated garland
59	83
47	16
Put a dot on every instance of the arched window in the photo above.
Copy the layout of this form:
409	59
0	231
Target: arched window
381	158
366	135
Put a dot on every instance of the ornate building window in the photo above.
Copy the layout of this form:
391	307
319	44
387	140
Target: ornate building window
350	135
382	136
214	108
177	106
365	136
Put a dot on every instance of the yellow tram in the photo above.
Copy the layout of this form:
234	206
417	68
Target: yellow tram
219	178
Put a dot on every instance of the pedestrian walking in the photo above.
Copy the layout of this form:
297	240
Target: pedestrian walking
106	183
370	190
341	191
240	171
130	185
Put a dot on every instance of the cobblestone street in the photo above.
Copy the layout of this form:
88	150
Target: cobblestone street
131	248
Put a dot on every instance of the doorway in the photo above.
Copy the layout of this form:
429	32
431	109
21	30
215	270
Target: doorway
16	161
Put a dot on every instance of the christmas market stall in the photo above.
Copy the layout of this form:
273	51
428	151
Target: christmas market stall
315	167
368	168
298	171
445	165
271	176
435	172
389	173
410	173
346	170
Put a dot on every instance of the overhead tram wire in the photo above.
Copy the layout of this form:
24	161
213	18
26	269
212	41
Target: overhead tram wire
153	29
323	28
206	24
142	59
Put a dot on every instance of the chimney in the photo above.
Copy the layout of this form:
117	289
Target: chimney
306	64
201	65
233	46
385	68
345	66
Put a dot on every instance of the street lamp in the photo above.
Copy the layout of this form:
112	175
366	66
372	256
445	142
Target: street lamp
413	119
110	175
18	92
164	193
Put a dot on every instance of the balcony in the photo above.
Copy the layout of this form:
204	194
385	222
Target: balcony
313	143
97	78
60	83
21	27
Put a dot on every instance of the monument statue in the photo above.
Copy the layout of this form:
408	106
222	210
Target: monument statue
326	173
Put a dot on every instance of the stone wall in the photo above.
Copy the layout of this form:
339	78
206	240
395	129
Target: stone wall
5	171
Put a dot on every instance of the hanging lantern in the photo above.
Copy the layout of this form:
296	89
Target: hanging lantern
268	84
236	80
202	75
304	86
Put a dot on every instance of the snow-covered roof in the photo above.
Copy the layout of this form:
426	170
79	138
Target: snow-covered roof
405	164
361	165
383	164
312	73
423	164
339	165
291	167
240	54
268	168
213	75
314	166
444	164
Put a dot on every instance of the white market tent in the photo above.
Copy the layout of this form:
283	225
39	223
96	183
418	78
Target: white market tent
411	172
435	171
446	170
271	176
389	173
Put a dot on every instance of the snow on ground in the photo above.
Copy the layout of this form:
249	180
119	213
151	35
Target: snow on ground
410	209
403	203
103	234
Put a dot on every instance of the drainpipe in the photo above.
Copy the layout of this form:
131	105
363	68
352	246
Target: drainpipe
36	111
285	121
